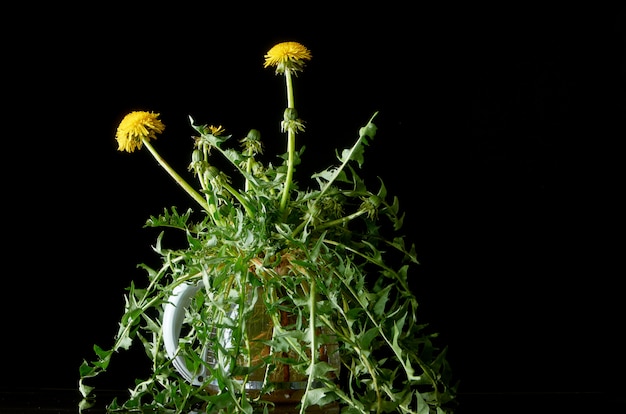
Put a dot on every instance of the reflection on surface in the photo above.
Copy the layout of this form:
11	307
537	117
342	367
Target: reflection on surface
24	401
61	401
51	400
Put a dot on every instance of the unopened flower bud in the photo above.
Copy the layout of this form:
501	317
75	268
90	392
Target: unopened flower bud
211	173
290	114
253	135
196	156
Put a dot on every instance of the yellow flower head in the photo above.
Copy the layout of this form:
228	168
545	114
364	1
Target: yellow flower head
216	130
290	56
135	127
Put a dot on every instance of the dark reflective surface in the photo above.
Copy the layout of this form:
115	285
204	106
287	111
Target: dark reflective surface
67	401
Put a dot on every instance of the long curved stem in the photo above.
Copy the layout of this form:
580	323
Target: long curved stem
193	193
291	144
239	197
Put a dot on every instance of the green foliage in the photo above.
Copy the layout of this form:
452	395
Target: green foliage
332	259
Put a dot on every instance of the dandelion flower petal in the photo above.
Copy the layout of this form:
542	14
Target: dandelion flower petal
135	127
291	56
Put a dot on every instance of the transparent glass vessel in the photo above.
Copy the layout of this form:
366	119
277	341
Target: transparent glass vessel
265	372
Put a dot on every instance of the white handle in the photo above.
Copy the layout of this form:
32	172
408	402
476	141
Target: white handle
173	317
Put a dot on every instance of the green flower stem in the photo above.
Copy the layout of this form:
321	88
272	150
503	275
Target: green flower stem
332	223
193	193
290	103
291	144
341	220
239	197
214	213
248	170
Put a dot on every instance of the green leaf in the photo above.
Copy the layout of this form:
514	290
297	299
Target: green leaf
365	339
383	298
102	354
355	153
314	396
369	129
85	404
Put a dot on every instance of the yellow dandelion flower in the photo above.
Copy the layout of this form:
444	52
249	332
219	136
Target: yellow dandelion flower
290	56
216	130
135	127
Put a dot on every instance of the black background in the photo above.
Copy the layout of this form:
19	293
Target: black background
500	130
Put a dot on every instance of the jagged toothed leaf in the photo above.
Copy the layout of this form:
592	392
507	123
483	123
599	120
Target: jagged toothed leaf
381	302
313	397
